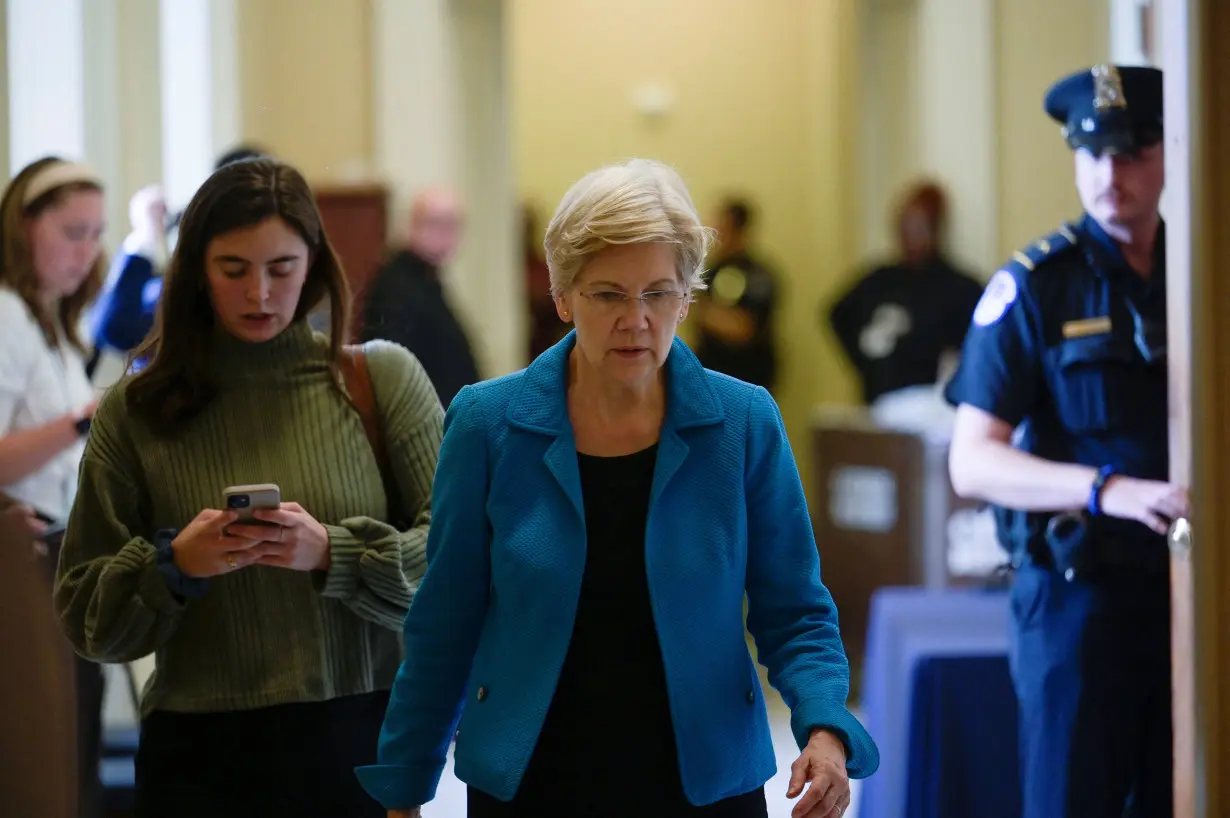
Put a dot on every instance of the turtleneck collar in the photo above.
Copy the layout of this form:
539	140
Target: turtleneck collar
296	350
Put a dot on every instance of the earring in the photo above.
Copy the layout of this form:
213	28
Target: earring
565	313
680	316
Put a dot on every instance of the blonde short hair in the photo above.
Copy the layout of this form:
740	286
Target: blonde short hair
637	202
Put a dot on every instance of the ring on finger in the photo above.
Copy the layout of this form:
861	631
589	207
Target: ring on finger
230	562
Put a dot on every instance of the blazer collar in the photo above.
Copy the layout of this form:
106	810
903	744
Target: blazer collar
541	405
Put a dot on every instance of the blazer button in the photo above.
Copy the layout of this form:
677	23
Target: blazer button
751	697
482	694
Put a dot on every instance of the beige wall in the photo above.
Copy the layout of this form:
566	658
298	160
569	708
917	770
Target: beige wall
768	98
305	70
1017	184
1036	188
761	105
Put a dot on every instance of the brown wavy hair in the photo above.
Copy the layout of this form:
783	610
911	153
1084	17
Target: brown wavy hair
17	256
172	386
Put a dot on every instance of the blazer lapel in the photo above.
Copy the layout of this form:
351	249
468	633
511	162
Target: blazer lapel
561	460
541	407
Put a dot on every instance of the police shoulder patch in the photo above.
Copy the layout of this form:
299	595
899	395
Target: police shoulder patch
1001	291
1004	287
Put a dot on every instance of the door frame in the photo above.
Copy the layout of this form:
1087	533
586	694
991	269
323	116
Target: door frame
1196	59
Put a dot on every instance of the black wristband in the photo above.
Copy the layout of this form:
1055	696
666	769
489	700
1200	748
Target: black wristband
180	583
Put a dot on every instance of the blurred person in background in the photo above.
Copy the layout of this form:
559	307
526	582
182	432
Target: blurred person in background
734	314
545	327
52	218
124	312
276	640
407	304
1062	418
902	324
598	519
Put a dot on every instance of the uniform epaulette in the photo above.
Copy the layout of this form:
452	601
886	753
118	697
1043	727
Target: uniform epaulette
1029	257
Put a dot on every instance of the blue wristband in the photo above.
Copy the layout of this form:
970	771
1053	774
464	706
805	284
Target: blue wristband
181	584
1095	492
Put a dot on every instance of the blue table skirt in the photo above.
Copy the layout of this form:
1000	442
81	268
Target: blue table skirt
963	740
906	627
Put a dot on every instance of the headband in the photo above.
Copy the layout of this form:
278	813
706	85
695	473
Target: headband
59	175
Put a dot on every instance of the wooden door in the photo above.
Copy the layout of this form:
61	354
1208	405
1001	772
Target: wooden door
1196	54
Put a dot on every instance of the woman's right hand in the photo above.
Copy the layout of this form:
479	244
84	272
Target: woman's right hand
204	549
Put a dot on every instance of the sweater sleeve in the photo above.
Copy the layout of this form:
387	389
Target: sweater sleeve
112	602
375	568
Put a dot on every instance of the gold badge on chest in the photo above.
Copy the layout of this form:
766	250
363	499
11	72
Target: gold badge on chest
1087	326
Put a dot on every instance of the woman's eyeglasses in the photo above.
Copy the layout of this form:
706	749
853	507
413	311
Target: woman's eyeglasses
658	302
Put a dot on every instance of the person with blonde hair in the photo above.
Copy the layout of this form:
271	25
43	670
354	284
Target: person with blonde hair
598	520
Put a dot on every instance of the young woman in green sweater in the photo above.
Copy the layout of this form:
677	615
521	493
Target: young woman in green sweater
275	644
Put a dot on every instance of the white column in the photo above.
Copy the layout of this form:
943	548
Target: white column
101	108
888	140
71	105
4	93
956	86
46	95
415	104
200	91
489	268
440	112
1132	42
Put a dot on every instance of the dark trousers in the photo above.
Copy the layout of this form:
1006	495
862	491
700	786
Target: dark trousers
90	688
561	801
1091	666
293	760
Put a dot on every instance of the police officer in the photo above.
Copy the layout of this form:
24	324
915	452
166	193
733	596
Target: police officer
1066	358
735	314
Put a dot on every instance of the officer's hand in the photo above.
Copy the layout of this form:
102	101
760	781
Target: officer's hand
1150	502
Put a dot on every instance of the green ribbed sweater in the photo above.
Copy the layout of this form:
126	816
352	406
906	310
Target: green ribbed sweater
260	636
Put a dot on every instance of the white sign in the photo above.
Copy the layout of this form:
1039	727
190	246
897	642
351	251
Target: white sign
863	498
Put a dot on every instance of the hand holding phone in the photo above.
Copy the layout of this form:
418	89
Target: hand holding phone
205	549
292	538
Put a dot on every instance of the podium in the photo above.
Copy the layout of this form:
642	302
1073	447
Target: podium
356	219
882	512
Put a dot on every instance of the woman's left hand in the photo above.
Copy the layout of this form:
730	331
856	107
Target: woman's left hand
822	764
302	543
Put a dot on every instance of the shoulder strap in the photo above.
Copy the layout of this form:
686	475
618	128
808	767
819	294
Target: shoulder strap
1044	248
358	379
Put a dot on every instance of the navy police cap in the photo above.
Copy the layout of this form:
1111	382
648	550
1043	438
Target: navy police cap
1109	108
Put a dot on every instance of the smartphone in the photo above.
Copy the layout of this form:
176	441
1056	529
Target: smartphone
244	500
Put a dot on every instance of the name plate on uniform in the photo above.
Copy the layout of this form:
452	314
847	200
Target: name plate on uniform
1086	326
863	498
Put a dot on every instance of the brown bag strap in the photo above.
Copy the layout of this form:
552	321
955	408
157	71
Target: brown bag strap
358	379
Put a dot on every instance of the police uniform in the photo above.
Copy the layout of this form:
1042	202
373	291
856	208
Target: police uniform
741	282
1068	345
